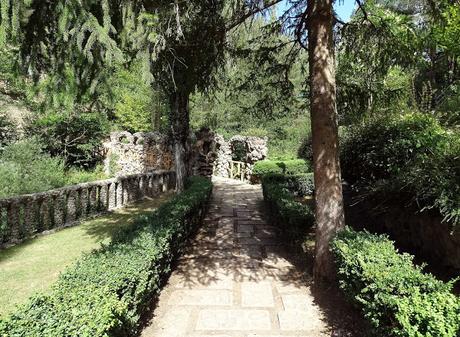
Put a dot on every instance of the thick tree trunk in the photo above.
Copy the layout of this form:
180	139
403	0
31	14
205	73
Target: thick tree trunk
180	126
328	186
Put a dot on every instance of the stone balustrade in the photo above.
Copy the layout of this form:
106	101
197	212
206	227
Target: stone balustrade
24	216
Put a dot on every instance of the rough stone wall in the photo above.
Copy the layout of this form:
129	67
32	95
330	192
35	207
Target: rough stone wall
217	153
140	152
424	234
24	216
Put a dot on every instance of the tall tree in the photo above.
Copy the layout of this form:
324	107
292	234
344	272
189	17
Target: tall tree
328	184
180	42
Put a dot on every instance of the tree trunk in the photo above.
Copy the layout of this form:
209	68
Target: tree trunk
180	126
328	186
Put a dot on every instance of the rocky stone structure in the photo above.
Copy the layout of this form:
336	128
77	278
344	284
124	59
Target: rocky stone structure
24	216
217	153
140	152
210	154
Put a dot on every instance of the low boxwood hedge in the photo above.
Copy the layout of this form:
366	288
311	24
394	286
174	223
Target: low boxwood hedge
396	296
291	216
107	291
286	167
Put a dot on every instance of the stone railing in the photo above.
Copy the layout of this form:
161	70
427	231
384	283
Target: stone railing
24	216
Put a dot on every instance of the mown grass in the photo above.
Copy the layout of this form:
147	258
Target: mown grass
35	264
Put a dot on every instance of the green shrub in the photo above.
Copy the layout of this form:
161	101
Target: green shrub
8	133
383	147
299	185
76	176
411	157
107	291
75	136
291	216
287	167
25	168
395	296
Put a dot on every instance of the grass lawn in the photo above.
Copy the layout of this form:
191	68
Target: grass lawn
35	264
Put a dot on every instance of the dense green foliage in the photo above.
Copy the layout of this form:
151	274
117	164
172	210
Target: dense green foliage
285	167
105	293
25	168
260	91
291	216
395	296
7	131
75	136
410	155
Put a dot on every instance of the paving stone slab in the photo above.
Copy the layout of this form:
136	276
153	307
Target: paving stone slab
234	319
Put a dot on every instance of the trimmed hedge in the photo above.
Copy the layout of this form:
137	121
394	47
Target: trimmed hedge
290	215
286	167
107	291
395	296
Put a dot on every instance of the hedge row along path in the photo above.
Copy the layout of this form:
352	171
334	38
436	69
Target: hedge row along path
235	279
35	264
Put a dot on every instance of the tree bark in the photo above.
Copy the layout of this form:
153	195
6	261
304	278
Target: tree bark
328	185
180	126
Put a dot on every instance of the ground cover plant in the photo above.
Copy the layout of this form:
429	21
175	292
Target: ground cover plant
106	291
396	296
35	265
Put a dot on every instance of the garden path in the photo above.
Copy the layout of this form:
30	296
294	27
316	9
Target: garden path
235	279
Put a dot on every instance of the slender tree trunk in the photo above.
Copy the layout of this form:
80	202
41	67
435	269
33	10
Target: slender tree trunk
328	186
180	126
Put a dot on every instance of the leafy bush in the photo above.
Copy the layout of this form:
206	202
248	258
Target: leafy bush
382	147
75	136
76	176
7	131
106	292
411	155
287	167
292	217
395	296
25	168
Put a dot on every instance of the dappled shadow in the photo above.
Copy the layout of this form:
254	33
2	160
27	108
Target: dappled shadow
237	244
100	228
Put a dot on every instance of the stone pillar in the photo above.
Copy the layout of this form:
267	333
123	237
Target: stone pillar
93	199
59	202
143	181
126	188
84	199
45	216
119	193
72	205
30	221
3	222
112	198
150	187
13	222
104	197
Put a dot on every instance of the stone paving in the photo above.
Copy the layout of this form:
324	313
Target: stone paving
235	280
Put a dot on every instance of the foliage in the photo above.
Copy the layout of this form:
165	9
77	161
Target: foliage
293	218
259	92
287	167
8	132
395	296
75	136
25	168
107	290
76	176
137	105
409	155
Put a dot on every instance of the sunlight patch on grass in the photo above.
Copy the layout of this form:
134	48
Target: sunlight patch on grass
35	264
